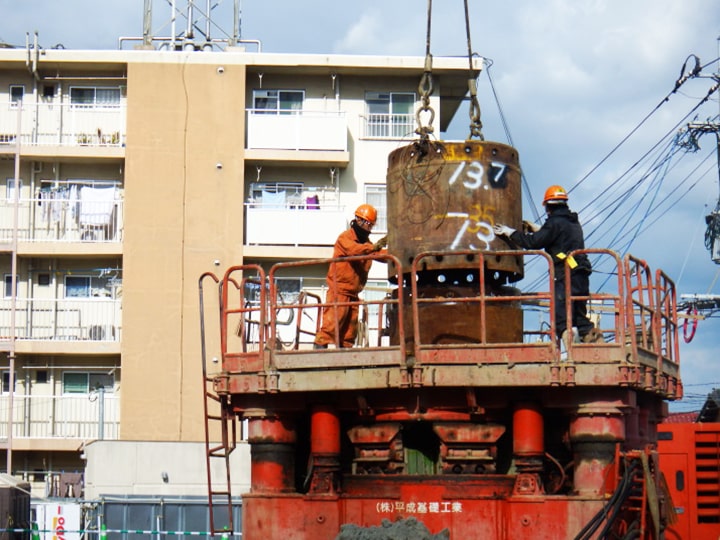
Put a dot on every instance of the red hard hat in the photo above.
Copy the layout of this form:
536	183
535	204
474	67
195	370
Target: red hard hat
555	194
366	212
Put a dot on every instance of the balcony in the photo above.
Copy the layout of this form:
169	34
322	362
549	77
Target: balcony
62	125
69	319
268	224
83	215
319	138
77	417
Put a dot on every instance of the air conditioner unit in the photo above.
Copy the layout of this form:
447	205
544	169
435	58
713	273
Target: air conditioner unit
97	332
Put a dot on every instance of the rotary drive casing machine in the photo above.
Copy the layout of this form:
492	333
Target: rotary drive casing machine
464	414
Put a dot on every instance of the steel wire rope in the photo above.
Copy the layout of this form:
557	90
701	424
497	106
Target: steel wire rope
619	191
672	130
655	210
678	83
660	172
508	135
616	203
617	206
677	186
701	102
712	90
474	109
669	133
692	186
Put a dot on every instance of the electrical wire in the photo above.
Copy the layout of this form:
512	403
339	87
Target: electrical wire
506	128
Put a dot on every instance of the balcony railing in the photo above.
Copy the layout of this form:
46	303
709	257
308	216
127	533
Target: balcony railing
84	416
63	219
269	225
94	319
296	130
65	124
389	126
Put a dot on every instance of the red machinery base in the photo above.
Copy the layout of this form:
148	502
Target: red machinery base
437	505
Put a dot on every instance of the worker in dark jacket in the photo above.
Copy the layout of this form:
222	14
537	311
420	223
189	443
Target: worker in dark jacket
345	280
559	236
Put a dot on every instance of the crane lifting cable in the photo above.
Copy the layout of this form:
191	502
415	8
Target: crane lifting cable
426	87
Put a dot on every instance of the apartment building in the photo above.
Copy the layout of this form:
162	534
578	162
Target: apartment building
127	174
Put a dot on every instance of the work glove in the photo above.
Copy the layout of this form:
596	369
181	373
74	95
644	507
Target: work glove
529	226
503	230
377	246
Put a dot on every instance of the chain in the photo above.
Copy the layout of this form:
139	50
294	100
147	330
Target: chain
425	88
475	123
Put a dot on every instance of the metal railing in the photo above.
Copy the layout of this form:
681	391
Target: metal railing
94	319
62	219
84	416
63	124
388	126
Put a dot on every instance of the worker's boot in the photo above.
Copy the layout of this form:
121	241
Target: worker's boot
593	336
319	346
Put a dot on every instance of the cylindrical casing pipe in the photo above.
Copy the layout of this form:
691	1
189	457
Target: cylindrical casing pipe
595	430
446	196
272	449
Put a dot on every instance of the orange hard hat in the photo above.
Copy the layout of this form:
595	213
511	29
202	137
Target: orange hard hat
367	212
555	194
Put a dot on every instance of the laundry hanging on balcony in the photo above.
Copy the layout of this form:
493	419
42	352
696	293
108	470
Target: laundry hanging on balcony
274	200
96	206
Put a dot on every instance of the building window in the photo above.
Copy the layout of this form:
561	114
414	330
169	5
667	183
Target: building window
6	382
17	93
375	194
389	114
8	286
93	97
78	382
88	286
278	101
10	188
77	286
48	91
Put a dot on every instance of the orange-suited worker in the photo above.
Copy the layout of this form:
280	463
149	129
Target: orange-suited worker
346	280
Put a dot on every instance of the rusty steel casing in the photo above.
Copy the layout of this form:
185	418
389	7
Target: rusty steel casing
446	196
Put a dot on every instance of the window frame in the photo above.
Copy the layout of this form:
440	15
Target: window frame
265	93
10	189
90	383
389	123
98	287
7	288
94	103
14	101
381	225
5	382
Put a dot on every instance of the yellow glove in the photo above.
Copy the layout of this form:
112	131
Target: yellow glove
528	226
377	246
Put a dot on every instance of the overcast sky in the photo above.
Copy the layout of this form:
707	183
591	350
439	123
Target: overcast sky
573	78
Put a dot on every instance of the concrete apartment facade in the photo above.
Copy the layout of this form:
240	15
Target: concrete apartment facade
138	170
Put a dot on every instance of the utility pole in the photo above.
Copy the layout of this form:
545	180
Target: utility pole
695	130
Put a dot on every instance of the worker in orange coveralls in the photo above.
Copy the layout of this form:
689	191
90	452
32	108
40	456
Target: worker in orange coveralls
346	280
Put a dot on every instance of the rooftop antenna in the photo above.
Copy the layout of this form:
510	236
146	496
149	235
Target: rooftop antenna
197	32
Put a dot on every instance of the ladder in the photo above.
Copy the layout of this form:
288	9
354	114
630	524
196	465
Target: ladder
218	418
